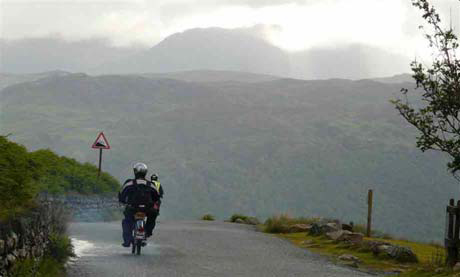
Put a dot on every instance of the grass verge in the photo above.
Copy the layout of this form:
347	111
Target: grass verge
431	257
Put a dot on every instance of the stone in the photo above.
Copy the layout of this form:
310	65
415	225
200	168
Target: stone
377	247
330	227
22	253
347	236
298	228
349	258
397	270
354	238
307	242
11	259
347	227
315	230
439	270
402	254
337	235
456	267
319	228
240	221
9	243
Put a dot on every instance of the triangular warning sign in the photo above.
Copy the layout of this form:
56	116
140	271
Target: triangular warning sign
101	142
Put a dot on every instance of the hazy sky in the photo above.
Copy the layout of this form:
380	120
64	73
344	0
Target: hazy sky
289	24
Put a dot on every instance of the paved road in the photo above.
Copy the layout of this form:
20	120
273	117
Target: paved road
195	248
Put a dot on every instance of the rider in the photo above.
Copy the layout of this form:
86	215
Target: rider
157	185
138	191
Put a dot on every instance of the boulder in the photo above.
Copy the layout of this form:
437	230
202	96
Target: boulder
298	228
337	235
240	221
402	254
315	230
354	238
347	236
347	227
330	227
320	228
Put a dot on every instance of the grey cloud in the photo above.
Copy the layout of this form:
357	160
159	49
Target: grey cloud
348	62
52	53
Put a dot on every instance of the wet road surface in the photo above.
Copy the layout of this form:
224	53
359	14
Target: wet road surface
194	248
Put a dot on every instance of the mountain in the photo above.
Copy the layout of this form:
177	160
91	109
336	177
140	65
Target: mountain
307	148
210	49
202	49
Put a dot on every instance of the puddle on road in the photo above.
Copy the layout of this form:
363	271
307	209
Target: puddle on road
83	248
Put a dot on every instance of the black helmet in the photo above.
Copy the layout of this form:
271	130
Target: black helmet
154	177
140	170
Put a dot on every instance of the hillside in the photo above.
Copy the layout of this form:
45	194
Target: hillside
302	147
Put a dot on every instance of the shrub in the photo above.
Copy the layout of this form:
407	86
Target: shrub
234	217
208	217
282	223
277	224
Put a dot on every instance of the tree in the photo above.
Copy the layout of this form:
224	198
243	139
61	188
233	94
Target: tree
436	114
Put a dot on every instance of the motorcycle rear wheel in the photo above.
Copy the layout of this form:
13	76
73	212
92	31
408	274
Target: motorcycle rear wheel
138	247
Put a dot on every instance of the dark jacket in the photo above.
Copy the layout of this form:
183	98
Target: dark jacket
127	190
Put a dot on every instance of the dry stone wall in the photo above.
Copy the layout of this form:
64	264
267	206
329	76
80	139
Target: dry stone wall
28	235
89	208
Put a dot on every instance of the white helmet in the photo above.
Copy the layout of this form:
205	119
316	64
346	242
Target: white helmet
140	170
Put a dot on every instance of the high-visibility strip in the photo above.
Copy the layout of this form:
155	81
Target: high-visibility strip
156	185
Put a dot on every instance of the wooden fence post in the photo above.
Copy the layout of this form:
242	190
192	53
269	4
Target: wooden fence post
369	213
452	232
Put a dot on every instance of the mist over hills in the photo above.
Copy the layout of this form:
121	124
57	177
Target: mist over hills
241	49
223	145
210	48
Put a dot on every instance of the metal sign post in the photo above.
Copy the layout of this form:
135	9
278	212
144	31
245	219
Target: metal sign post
100	143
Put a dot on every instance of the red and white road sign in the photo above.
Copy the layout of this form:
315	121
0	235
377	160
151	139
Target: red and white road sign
101	142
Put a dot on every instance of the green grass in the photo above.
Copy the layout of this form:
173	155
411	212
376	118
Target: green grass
208	217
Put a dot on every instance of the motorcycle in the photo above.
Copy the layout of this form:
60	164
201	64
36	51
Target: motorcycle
139	238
